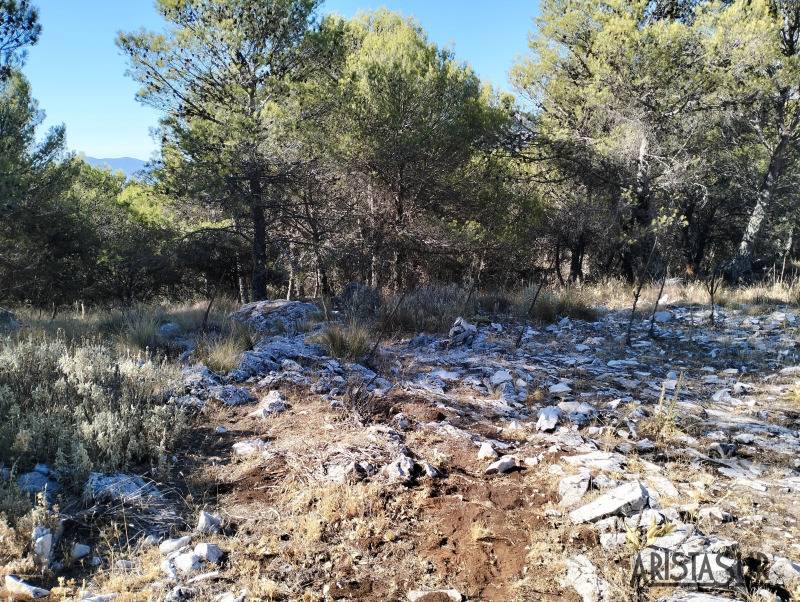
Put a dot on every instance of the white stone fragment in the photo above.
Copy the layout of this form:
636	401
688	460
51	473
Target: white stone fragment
42	544
583	577
624	500
547	418
249	446
208	551
16	586
504	464
208	523
188	562
560	388
486	451
168	568
401	469
415	594
500	377
79	550
170	545
428	471
572	488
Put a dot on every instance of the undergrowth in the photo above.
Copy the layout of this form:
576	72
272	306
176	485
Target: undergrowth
81	407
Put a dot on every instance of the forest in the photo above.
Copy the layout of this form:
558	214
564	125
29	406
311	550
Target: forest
300	151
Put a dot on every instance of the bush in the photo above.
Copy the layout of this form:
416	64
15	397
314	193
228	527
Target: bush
222	346
350	342
426	309
553	304
79	407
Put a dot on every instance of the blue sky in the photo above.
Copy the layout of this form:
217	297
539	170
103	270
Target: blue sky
77	72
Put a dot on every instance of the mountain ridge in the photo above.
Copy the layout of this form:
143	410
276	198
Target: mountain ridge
130	165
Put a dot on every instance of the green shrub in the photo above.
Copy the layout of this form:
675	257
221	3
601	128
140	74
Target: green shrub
349	342
80	407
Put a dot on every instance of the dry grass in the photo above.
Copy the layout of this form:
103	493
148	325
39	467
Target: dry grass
222	346
349	341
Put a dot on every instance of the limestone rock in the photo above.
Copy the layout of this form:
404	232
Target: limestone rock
249	446
80	550
188	562
121	487
584	578
209	552
418	594
548	418
170	545
34	482
208	523
42	545
784	572
504	464
486	451
625	500
20	588
401	469
560	389
571	489
462	332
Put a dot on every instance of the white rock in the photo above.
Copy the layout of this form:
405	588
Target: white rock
486	451
229	597
445	375
603	481
612	541
16	586
500	377
504	464
249	446
607	461
99	598
188	562
168	568
80	550
204	577
208	523
663	316
401	469
221	430
572	488
453	594
123	564
689	596
645	446
274	402
170	545
784	572
582	576
208	551
428	471
547	418
42	544
560	388
624	500
121	487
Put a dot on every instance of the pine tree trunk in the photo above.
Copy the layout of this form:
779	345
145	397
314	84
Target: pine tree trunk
258	284
741	265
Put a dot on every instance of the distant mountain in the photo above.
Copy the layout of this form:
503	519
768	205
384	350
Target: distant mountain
127	164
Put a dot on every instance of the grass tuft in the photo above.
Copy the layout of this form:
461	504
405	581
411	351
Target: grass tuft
349	341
